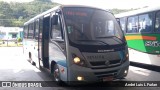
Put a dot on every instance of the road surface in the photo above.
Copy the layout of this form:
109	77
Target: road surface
14	67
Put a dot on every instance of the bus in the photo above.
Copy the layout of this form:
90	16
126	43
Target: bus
142	29
77	43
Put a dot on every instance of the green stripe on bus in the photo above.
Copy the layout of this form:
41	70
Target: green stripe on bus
147	46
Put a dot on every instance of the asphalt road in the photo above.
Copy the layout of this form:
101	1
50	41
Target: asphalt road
14	67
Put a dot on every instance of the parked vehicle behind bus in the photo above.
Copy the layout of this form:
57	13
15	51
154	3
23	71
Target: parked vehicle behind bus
77	43
142	29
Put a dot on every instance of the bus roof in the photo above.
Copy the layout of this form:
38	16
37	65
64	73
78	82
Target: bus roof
139	11
55	8
42	14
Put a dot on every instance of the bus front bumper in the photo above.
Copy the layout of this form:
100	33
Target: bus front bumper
78	73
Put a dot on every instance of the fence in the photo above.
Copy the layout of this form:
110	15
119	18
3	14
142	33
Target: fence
10	43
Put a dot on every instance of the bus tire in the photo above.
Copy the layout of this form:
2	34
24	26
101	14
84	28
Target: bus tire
30	59
56	74
33	63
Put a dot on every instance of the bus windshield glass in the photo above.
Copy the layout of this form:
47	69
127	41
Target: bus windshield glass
89	24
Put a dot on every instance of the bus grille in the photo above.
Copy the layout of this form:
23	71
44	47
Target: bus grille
100	75
101	64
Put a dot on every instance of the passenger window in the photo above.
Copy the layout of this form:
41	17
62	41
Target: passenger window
56	31
132	26
31	31
157	23
145	23
40	29
36	29
25	31
122	23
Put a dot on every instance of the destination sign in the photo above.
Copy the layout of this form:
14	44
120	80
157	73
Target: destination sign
75	13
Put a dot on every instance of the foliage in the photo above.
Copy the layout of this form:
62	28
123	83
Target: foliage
116	11
44	0
15	14
19	40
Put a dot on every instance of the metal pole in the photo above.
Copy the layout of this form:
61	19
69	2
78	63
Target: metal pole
7	43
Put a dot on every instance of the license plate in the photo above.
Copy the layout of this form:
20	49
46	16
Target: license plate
110	78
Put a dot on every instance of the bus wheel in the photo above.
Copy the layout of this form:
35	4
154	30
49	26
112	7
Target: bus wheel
33	63
30	59
56	74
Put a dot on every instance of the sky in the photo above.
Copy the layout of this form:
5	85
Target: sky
106	4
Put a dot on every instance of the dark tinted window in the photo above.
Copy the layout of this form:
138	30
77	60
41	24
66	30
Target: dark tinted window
25	31
40	29
31	31
36	29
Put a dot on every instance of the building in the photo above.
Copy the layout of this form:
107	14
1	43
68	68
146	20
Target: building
11	33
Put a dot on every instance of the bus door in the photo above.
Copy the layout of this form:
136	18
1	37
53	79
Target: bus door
36	41
57	50
45	41
40	41
57	34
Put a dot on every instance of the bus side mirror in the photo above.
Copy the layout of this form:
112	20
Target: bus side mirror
55	20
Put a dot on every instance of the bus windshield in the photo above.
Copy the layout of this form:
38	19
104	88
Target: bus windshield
89	24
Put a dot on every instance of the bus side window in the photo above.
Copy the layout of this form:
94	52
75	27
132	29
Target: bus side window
145	23
25	31
157	22
132	25
31	31
56	30
36	29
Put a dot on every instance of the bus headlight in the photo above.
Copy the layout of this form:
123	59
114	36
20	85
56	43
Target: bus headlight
80	78
78	61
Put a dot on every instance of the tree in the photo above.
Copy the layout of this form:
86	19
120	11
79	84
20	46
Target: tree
116	11
44	0
5	14
15	14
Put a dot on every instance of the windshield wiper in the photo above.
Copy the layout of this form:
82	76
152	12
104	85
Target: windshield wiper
112	37
94	41
119	39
